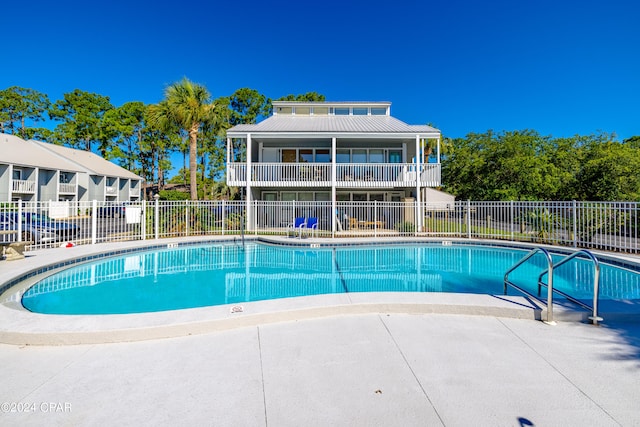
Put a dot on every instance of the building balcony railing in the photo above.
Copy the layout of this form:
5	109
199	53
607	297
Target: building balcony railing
348	175
23	186
111	190
64	188
134	192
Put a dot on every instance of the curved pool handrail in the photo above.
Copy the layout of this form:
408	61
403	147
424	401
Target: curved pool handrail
596	283
549	269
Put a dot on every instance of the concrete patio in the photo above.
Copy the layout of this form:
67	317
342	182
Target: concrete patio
467	366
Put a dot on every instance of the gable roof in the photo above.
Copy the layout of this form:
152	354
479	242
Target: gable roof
91	162
17	151
36	154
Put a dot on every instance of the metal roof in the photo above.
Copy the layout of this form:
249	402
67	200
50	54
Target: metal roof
36	154
94	164
17	151
332	124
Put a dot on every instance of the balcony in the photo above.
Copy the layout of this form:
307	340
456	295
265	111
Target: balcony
66	188
348	175
134	192
111	190
23	186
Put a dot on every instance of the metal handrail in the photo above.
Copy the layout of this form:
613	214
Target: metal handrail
596	283
549	301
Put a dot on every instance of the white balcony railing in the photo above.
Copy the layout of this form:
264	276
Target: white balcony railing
349	175
66	188
134	192
23	186
110	190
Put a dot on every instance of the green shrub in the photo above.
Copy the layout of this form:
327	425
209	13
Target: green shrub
405	227
173	195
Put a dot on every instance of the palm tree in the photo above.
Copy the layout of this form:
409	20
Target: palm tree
189	106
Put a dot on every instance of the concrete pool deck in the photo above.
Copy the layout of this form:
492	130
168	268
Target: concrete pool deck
446	365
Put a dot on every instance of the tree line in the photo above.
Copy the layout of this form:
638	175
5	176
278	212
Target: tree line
524	165
507	165
141	137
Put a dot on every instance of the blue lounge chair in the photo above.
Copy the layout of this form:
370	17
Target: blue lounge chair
312	225
297	226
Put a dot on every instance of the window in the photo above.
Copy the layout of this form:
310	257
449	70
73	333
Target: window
376	111
341	111
288	196
359	156
323	156
305	156
65	178
320	111
360	111
284	110
17	174
376	156
288	156
306	196
342	156
303	111
395	156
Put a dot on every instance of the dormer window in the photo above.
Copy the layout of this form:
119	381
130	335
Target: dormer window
360	111
341	111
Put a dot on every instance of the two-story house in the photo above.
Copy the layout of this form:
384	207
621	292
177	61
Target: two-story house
333	152
34	171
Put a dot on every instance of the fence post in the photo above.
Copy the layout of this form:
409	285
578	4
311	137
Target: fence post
468	219
19	219
186	218
575	224
375	218
255	217
156	220
144	220
224	212
511	221
94	221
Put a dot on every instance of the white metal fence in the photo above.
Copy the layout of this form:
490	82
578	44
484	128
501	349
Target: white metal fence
609	226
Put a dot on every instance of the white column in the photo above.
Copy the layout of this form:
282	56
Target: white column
334	177
249	221
418	186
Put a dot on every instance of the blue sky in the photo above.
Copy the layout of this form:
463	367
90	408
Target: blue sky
559	67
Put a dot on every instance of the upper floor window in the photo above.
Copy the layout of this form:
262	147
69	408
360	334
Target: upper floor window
284	110
65	178
320	111
376	111
303	111
341	111
360	111
17	174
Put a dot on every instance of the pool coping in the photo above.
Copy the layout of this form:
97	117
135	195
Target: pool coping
21	327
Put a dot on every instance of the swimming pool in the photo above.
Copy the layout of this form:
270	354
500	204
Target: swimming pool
215	274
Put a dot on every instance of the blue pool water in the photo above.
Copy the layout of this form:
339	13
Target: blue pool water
197	276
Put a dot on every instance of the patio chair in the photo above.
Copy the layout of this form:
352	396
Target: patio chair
312	226
297	226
